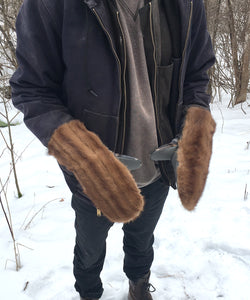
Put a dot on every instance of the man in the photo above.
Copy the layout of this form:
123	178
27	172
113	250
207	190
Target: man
107	86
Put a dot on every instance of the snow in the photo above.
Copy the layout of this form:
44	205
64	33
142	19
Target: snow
202	255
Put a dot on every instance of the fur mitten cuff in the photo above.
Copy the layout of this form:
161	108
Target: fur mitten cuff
195	149
103	178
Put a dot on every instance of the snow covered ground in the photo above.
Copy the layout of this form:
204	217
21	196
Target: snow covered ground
202	255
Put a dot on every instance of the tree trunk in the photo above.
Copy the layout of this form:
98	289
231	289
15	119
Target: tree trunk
245	71
233	41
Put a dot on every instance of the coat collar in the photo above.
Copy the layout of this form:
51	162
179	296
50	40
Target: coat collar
184	13
91	3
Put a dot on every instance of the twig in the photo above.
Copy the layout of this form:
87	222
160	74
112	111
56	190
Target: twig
2	113
10	146
14	117
26	217
26	285
25	246
245	193
6	217
222	118
243	109
10	172
6	143
8	208
41	209
6	262
9	222
2	152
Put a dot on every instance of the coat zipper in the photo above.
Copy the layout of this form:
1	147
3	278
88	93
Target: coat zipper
118	62
184	53
98	211
124	82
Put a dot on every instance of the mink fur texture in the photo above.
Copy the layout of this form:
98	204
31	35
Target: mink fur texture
103	178
194	153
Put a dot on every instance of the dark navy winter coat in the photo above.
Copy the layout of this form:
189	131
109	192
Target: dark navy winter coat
71	66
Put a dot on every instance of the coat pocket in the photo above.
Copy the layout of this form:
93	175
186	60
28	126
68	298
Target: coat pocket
105	126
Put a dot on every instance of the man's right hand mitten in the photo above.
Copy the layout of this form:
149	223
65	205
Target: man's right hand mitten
103	178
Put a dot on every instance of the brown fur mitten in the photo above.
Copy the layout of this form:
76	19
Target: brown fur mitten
104	179
194	152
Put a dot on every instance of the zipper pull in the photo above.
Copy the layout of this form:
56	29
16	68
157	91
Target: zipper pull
98	212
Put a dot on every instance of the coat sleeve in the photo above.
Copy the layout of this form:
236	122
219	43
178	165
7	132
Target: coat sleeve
37	83
200	57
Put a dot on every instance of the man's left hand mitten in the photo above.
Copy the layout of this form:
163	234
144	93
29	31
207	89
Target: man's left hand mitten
194	153
103	178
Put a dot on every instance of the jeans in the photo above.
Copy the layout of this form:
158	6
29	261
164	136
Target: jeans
91	234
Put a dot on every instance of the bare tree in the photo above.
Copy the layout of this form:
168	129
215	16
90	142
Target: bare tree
8	141
8	13
213	9
8	63
239	31
229	27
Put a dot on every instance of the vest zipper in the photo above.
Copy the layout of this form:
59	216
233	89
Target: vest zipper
116	57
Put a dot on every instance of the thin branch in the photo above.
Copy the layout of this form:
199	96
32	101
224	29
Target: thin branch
28	224
8	209
2	113
6	218
6	143
10	172
14	116
243	108
2	152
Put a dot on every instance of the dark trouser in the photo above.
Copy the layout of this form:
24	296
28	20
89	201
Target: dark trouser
91	234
